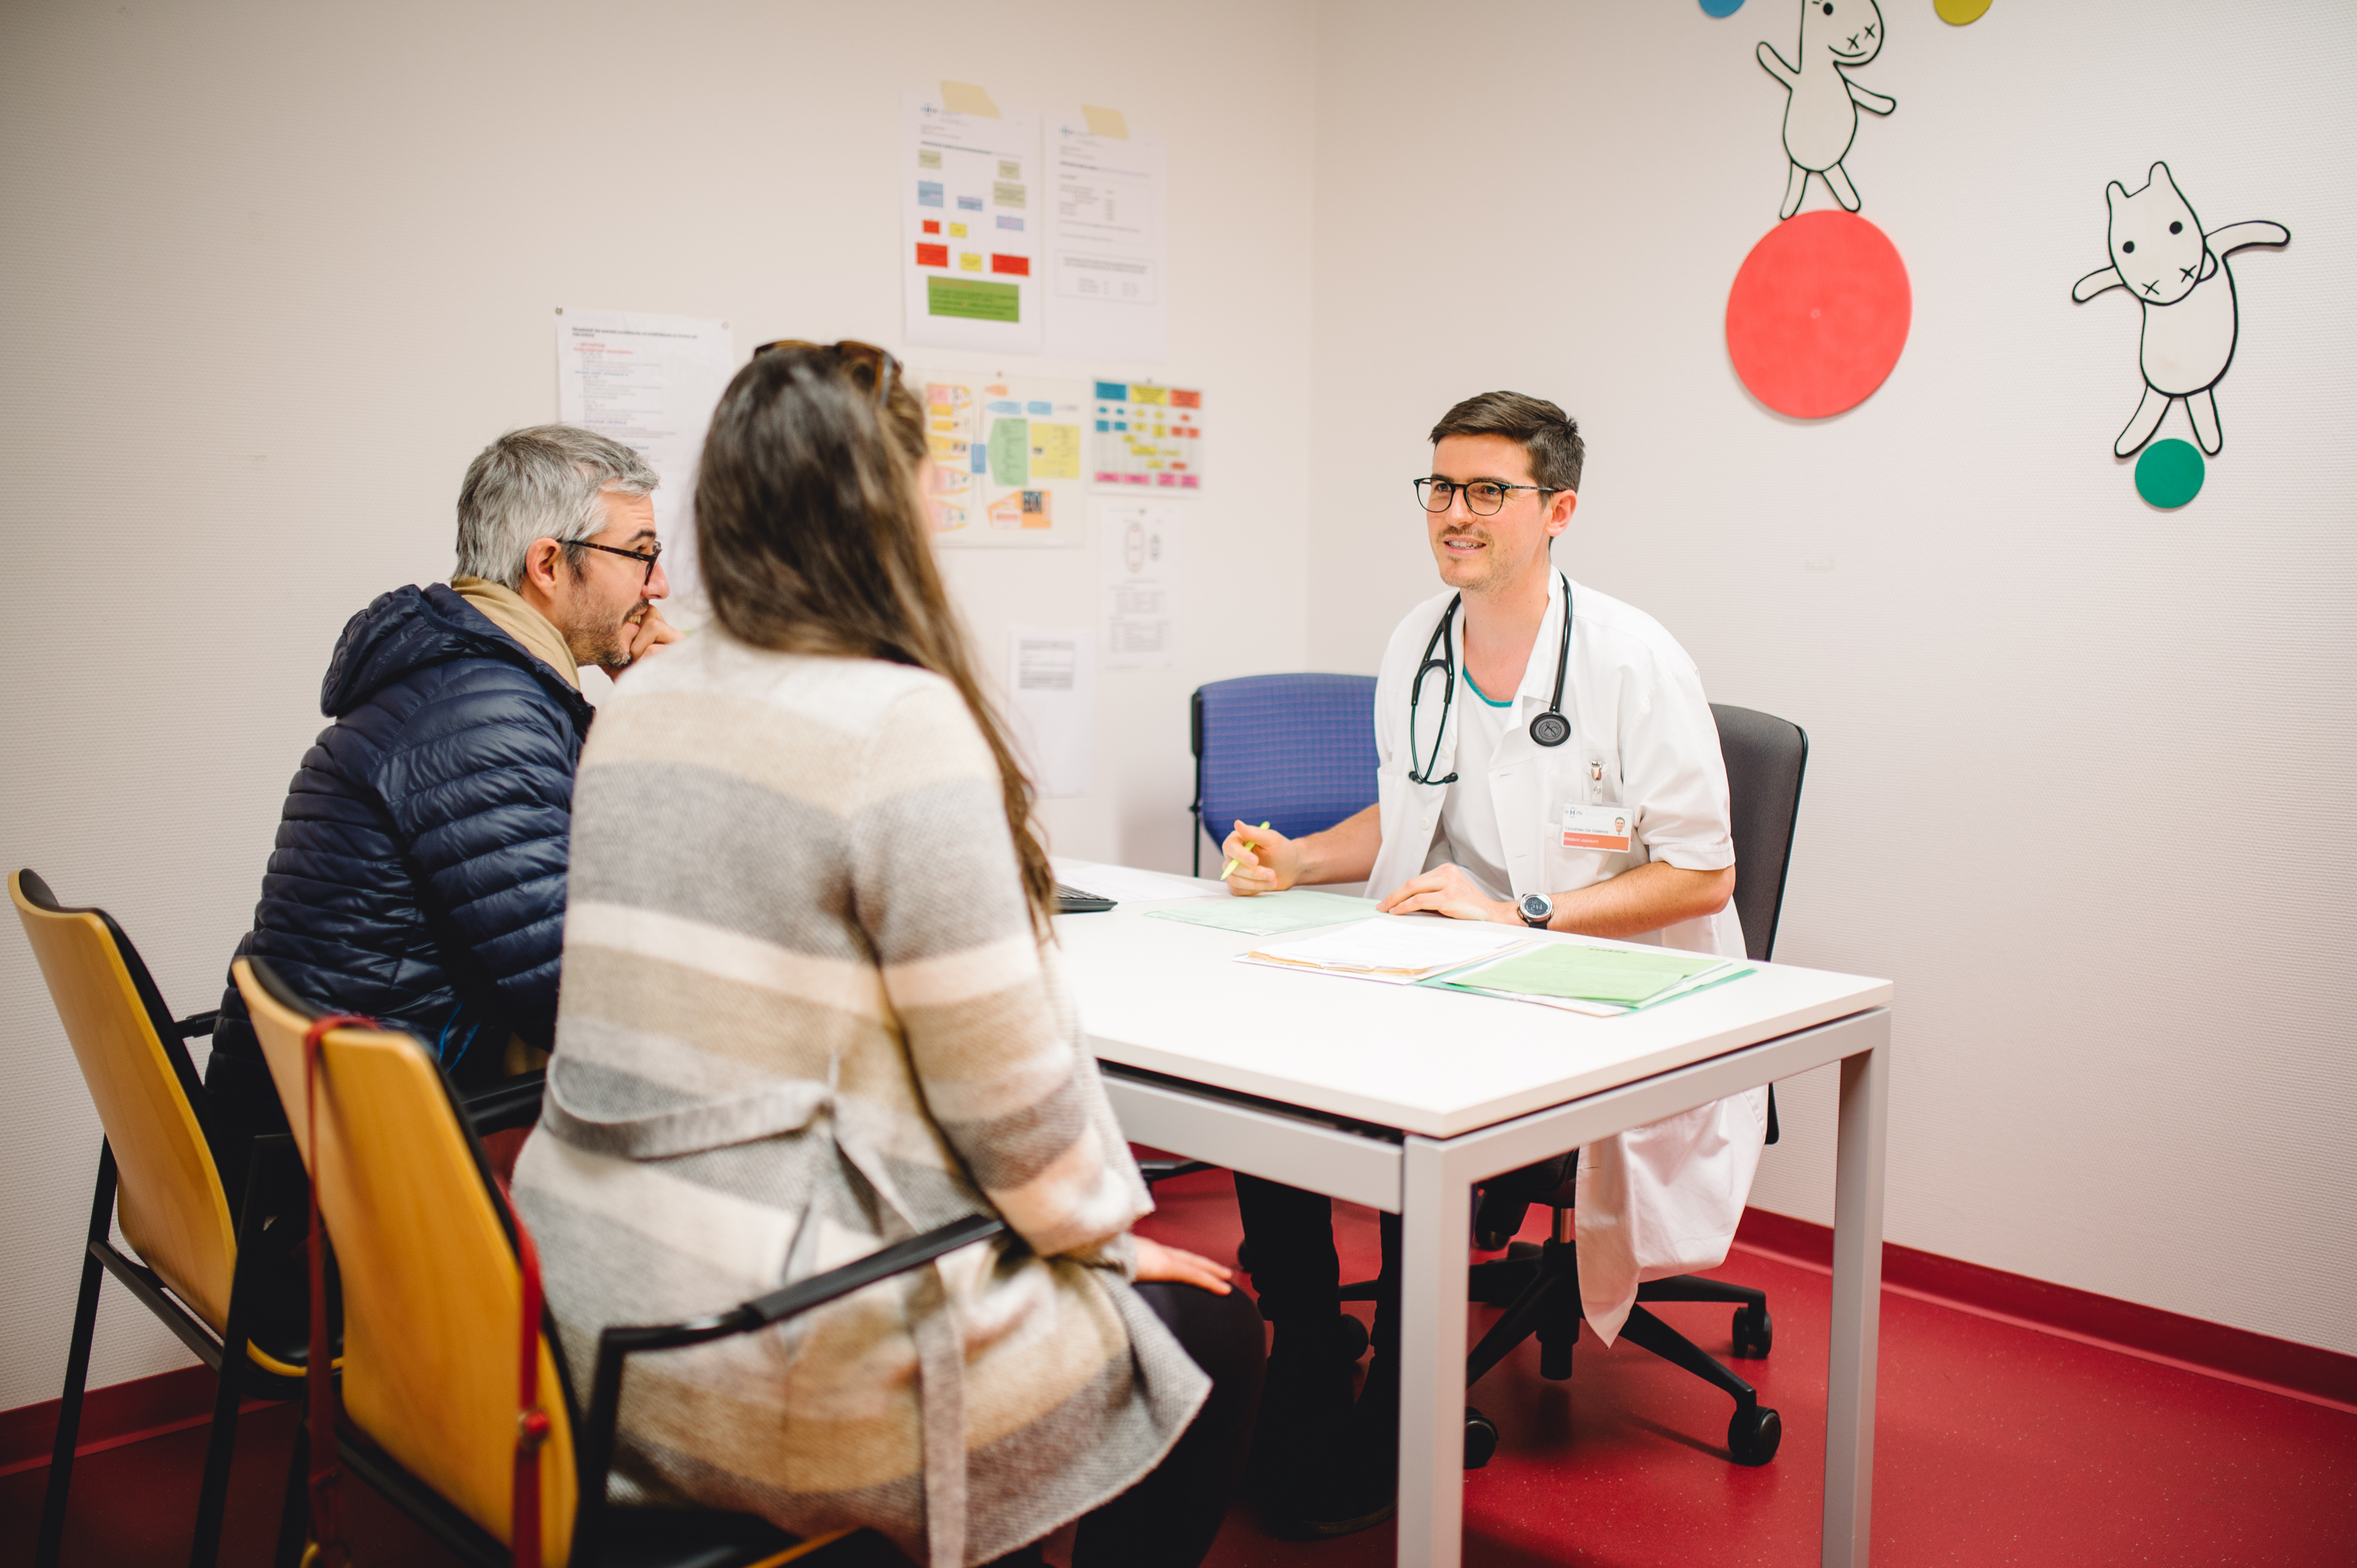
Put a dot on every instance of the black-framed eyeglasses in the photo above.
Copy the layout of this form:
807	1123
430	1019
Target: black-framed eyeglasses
651	554
1482	496
883	370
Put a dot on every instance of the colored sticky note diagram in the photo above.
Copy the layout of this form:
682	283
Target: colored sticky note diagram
1149	394
933	255
969	261
1055	451
1010	451
957	231
1022	508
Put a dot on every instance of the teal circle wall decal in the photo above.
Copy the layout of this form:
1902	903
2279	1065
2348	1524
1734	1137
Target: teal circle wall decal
2168	474
1721	7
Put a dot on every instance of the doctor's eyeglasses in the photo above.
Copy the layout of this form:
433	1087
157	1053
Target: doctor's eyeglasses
1482	496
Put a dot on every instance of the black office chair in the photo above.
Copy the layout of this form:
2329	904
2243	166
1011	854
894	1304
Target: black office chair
1538	1285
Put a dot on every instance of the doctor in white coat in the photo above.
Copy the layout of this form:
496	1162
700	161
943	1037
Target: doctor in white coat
1527	776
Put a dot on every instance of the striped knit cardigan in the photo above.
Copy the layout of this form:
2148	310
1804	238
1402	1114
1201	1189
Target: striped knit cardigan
803	1016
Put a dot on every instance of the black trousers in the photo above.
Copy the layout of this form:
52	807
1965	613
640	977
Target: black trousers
1289	1236
1170	1517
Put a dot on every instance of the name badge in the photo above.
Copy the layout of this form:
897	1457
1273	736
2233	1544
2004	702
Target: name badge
1598	827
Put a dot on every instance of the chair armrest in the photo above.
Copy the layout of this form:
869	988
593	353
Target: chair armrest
510	1102
593	1444
196	1025
1163	1170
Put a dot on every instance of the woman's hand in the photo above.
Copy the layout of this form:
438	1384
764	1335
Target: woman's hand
1156	1262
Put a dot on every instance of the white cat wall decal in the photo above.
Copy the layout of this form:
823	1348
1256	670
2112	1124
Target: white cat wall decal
2180	278
1821	117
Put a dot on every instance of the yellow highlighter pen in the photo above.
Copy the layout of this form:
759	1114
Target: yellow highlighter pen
1231	866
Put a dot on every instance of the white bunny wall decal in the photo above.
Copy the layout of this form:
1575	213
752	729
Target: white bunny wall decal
1820	118
2181	280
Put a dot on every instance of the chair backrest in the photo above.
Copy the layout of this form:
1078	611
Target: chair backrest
169	1192
1766	756
426	1246
1295	751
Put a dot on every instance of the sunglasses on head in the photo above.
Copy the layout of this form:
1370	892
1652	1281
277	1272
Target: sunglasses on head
883	370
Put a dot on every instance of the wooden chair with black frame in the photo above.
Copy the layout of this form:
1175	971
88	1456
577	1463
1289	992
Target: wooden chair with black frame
455	1406
205	1255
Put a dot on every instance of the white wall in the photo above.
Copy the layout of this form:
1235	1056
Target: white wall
2122	1035
274	274
213	458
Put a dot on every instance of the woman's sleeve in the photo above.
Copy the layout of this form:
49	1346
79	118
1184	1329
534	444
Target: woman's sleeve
938	893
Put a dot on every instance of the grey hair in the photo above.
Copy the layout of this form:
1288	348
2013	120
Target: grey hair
547	481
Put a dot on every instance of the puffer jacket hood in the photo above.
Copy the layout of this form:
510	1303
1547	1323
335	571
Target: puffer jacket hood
409	629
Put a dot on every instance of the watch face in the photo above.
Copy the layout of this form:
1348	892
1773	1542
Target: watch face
1537	906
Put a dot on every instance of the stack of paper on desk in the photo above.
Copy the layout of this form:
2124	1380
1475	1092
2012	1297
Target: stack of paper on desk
1270	914
1398	950
1595	980
1127	884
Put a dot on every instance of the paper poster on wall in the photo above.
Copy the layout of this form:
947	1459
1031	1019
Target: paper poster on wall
1146	438
1136	546
651	382
1006	459
970	196
1105	239
1051	700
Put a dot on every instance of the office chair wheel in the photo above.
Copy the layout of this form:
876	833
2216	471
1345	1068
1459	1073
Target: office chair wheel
1349	1338
1482	1438
1754	1435
1755	1332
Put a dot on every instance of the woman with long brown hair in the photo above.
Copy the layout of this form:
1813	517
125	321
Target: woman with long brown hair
811	1004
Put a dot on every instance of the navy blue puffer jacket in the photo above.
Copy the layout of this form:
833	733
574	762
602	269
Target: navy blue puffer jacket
419	872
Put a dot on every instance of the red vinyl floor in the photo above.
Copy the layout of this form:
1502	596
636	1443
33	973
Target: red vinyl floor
1996	1445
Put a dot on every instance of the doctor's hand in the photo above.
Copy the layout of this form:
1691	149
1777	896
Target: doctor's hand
1446	890
1266	861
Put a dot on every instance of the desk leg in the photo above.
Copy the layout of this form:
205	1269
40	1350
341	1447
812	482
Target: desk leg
1856	1308
1436	1229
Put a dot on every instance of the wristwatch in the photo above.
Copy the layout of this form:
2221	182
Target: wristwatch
1536	909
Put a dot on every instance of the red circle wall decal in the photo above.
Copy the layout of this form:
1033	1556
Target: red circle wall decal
1818	313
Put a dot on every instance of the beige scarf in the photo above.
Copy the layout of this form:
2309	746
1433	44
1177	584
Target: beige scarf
508	610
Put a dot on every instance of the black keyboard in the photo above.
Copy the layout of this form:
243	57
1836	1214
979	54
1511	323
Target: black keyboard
1073	901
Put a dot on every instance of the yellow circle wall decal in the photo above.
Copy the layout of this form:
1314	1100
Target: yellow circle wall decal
1961	12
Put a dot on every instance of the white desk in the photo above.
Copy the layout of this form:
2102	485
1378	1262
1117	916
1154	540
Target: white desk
1400	1098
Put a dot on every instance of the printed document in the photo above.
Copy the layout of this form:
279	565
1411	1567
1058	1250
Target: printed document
651	382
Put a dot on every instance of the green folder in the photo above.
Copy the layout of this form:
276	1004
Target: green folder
1613	975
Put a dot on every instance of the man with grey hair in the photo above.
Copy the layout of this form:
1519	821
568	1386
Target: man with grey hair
419	872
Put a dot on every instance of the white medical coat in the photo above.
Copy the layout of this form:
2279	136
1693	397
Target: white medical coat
1656	1201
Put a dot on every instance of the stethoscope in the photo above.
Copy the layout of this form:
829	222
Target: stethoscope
1549	728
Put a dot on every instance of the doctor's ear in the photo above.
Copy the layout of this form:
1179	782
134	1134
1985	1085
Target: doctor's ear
1559	509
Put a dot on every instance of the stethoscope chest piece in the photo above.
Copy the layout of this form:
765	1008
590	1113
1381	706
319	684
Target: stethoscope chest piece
1550	728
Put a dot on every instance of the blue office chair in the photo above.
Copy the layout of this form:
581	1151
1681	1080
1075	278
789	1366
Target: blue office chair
1295	751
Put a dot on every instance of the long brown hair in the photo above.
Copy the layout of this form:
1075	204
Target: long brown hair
811	538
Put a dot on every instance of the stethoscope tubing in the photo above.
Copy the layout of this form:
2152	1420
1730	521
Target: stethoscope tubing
1549	728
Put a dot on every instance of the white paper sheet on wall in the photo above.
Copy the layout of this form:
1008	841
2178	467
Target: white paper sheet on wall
1007	455
1051	694
1105	250
651	382
1137	545
971	197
